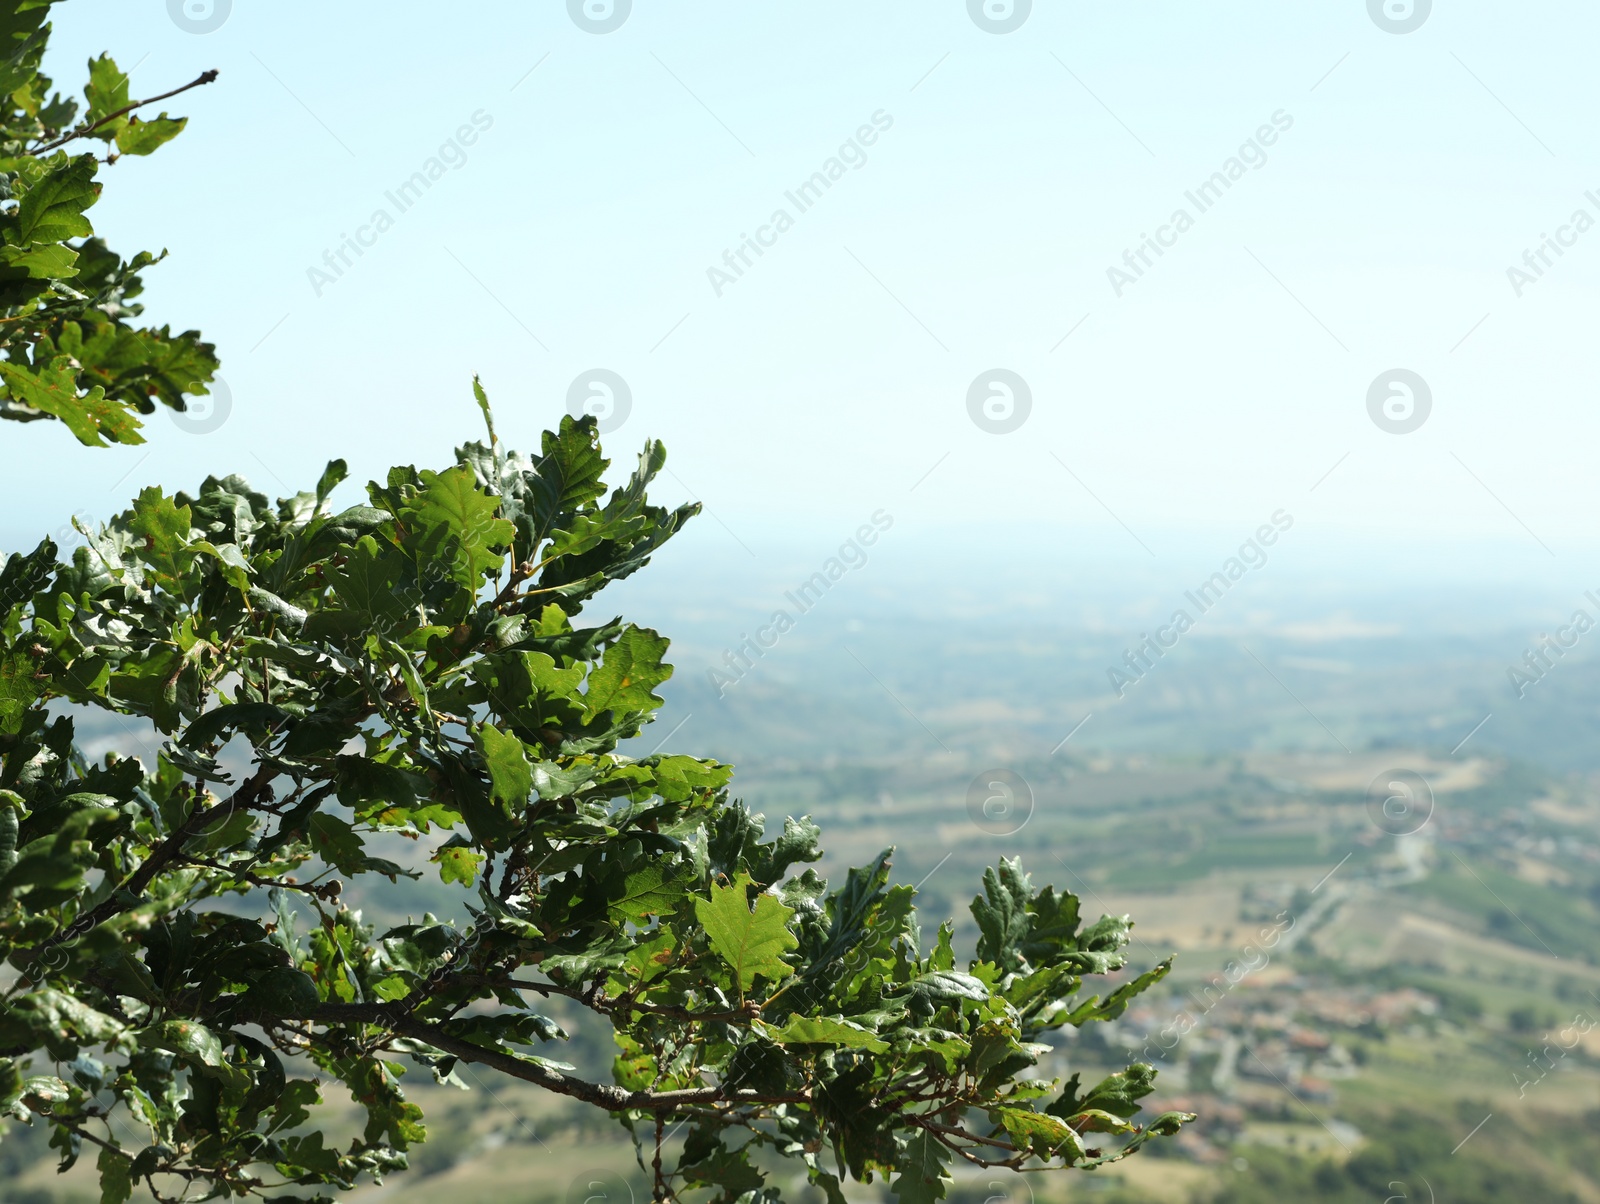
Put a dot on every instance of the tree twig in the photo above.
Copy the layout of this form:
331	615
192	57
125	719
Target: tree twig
136	884
205	77
601	1002
661	1183
603	1095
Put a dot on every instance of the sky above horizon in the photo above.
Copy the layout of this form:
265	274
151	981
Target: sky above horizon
1200	240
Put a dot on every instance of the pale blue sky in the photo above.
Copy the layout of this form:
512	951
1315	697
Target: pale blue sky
1019	167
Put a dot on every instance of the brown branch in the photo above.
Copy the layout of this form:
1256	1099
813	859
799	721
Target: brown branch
601	1002
188	1173
661	1183
602	1095
140	880
1012	1164
519	574
328	891
953	1131
205	77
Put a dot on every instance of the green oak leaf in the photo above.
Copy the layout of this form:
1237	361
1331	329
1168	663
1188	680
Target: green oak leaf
651	891
11	811
458	864
510	775
568	474
460	524
630	669
41	261
54	389
679	777
923	1174
1045	1135
337	843
186	1038
1096	1120
718	1166
116	1176
1117	1002
649	959
751	939
285	991
826	1030
1118	1094
143	137
22	42
11	1082
164	526
1168	1123
52	209
106	92
18	690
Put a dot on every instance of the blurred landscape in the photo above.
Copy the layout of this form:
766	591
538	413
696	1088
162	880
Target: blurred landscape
1385	907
